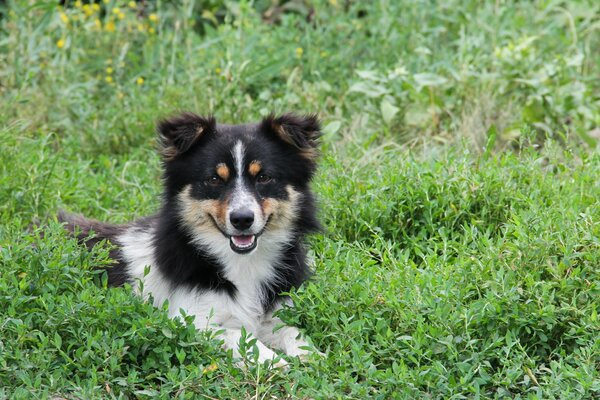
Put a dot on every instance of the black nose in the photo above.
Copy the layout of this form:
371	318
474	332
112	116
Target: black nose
242	219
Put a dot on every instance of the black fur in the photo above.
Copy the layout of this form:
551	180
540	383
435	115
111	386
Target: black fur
181	262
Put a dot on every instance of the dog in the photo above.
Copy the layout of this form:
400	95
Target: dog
228	239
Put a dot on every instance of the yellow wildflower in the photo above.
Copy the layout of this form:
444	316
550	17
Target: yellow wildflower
78	4
116	10
64	18
139	81
60	44
153	17
108	79
109	70
87	9
106	1
299	52
97	23
110	26
96	7
218	70
132	4
151	30
121	15
212	367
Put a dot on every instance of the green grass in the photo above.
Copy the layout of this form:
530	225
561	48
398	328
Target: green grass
458	187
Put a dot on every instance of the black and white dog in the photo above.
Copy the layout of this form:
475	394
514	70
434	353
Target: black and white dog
228	238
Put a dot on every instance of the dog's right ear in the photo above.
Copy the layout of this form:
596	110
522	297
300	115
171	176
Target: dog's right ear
178	134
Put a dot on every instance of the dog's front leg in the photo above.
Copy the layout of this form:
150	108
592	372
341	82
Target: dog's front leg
288	339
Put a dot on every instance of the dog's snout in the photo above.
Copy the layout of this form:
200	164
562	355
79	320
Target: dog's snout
242	219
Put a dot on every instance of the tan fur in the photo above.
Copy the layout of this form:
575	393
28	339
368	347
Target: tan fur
196	213
281	212
308	153
223	171
170	152
254	168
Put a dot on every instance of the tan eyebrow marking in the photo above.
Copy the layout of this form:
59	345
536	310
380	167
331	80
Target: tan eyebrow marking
223	171
254	168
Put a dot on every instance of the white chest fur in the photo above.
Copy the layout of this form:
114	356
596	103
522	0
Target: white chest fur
246	272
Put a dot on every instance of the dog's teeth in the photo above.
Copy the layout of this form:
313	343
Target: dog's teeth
243	240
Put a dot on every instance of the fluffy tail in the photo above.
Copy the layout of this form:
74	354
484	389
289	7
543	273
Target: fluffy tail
90	231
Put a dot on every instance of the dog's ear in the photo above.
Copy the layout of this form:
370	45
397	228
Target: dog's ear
301	131
178	134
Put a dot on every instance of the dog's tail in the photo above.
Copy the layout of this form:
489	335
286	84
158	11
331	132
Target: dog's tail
90	231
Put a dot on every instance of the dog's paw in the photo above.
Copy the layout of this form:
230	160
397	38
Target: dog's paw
304	353
280	363
265	357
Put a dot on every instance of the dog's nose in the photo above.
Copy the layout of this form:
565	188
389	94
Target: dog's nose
242	219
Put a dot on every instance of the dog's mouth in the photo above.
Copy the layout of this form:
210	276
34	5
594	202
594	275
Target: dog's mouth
243	244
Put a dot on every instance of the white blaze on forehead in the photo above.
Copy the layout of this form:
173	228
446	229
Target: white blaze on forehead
238	158
242	198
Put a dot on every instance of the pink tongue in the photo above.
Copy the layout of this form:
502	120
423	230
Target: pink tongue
243	241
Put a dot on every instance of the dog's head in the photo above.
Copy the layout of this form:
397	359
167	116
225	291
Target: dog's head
236	188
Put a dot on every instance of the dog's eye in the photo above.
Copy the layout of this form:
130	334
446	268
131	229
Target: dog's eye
263	178
213	181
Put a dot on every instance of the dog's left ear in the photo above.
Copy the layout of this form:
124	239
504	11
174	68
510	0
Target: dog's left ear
178	134
301	131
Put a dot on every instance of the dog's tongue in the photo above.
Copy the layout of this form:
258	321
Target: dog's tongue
243	240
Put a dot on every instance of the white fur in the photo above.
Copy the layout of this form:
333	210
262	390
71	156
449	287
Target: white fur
217	310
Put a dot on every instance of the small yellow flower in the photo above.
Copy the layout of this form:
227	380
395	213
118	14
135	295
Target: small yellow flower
96	7
109	70
218	70
121	15
64	18
140	27
108	79
132	4
153	17
87	9
78	4
97	23
106	1
212	367
110	26
323	54
116	10
151	30
139	81
299	52
60	44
